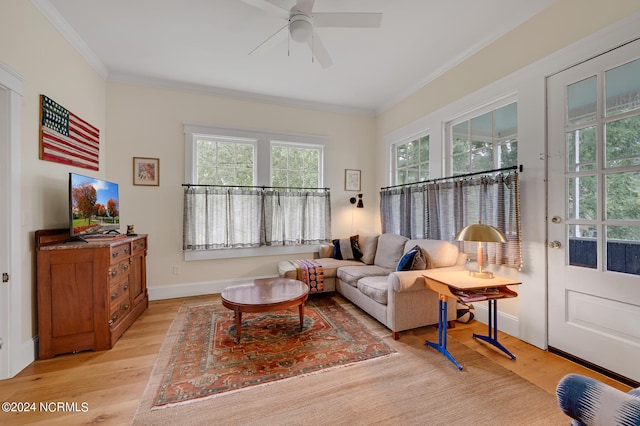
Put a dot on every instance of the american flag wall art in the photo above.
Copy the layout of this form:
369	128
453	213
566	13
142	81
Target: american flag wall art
66	138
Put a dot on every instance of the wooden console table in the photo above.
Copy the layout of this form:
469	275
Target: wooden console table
450	284
88	293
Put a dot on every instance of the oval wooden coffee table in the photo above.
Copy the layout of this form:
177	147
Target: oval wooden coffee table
265	295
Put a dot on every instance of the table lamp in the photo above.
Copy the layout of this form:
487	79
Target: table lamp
482	234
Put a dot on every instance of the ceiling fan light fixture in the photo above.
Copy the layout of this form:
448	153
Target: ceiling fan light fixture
300	28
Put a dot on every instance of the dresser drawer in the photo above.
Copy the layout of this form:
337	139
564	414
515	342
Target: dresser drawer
118	270
120	252
117	289
119	308
139	246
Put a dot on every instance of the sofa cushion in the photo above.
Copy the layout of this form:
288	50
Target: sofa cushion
375	288
390	250
330	265
368	245
347	248
414	259
441	253
351	274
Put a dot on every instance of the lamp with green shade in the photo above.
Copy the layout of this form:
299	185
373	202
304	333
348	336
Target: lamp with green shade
482	234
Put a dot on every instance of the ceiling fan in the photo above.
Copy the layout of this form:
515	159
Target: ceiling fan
301	24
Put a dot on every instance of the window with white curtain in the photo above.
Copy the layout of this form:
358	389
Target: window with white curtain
257	191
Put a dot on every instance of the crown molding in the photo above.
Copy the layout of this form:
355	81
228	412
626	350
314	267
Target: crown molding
51	13
236	94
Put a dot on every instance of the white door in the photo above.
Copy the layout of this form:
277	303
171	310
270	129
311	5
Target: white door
593	223
4	234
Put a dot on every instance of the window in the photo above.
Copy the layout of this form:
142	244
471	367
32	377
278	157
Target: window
411	160
485	141
295	166
224	161
256	191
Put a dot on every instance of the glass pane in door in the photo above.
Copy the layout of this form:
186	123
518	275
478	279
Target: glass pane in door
622	142
623	249
581	101
622	87
581	149
622	196
583	248
583	198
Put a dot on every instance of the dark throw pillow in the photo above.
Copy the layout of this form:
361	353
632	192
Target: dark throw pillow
413	260
347	249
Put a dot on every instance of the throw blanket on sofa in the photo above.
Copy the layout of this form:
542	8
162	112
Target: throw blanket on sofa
309	271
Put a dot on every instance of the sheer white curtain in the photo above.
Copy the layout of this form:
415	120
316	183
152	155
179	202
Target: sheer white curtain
222	218
438	210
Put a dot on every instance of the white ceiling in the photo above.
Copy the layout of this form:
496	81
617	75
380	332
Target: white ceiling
204	45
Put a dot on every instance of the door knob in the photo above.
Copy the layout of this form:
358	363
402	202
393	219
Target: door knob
555	244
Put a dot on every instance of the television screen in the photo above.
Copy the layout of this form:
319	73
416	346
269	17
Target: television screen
93	206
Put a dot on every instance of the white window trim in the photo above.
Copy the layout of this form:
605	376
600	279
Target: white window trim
393	149
263	139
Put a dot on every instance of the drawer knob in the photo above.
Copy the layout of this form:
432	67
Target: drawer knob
114	273
126	306
126	287
114	296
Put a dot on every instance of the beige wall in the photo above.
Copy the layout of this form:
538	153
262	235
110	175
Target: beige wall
50	66
148	122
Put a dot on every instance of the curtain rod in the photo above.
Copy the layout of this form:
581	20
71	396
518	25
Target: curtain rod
519	168
189	185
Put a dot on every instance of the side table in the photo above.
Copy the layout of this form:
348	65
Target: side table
453	284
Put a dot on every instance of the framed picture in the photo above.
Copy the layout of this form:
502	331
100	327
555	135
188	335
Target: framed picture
351	180
146	171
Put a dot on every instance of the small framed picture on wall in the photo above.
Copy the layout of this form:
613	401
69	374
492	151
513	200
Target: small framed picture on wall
146	171
351	180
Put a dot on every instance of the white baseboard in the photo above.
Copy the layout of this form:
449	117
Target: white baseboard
506	323
196	289
27	353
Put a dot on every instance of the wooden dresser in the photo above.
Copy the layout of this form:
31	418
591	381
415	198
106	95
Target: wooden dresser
88	293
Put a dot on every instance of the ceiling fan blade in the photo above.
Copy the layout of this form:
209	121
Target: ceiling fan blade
305	6
273	40
319	52
276	7
356	20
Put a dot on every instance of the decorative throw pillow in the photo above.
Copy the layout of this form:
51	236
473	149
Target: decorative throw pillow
347	249
413	260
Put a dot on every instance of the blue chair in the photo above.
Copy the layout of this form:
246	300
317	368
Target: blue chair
590	402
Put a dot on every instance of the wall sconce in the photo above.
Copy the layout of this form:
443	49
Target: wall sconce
360	204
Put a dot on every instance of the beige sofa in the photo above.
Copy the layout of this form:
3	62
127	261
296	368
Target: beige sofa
398	299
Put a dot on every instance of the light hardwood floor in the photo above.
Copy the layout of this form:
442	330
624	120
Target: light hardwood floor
105	387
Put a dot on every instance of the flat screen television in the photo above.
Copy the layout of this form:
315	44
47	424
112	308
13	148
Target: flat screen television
94	207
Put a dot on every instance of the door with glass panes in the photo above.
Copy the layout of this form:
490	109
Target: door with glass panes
593	223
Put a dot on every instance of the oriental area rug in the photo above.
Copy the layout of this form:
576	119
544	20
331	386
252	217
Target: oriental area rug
203	358
415	385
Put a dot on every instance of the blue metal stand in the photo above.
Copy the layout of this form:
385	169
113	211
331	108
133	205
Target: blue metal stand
492	334
441	346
